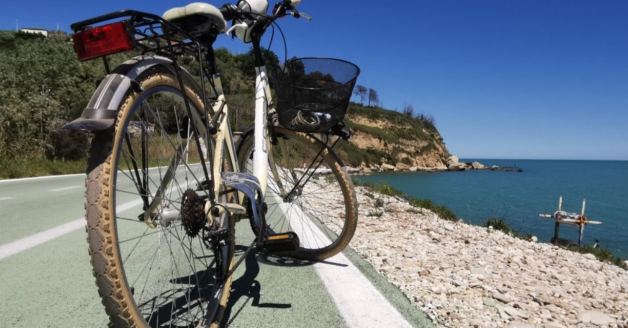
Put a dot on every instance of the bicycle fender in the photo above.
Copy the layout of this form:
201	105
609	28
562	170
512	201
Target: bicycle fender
102	109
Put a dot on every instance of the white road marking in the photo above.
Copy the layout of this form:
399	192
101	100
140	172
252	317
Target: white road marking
29	242
83	174
6	198
66	188
46	177
360	304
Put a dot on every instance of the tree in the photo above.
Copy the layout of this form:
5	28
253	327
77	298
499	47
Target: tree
246	62
373	97
361	92
408	109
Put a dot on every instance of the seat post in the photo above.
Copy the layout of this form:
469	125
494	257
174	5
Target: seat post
208	40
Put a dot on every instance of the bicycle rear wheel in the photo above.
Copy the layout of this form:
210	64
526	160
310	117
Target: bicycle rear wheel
309	193
170	274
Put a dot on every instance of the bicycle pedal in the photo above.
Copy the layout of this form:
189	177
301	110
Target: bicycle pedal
280	243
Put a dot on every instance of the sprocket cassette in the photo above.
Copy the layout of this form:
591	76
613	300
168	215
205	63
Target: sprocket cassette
193	213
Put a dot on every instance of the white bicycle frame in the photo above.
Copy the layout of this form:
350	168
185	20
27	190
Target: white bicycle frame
224	135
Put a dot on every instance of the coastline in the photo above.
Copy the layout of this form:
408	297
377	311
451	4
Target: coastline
453	164
469	276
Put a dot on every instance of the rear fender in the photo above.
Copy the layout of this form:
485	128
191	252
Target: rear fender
102	109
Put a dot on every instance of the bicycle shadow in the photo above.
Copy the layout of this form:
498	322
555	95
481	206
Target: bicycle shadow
247	286
287	261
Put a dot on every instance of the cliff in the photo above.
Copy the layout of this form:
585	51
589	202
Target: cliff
391	139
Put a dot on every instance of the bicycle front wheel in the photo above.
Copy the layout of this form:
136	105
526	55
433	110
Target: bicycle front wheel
309	193
166	272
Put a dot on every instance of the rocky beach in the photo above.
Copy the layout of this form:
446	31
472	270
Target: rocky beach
469	276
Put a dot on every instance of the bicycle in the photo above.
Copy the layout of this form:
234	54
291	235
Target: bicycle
163	148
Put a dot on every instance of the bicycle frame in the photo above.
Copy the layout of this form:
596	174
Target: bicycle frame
155	31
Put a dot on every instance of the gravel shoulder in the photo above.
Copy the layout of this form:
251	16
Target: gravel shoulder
468	276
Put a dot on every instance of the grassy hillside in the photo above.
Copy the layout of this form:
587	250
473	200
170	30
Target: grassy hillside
385	136
43	86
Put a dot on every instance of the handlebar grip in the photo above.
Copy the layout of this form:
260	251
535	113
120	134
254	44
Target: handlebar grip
295	2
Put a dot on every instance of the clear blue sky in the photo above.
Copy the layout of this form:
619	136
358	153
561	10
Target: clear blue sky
505	79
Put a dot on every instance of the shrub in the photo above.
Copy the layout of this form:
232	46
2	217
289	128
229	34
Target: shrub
601	254
441	210
498	223
67	145
386	189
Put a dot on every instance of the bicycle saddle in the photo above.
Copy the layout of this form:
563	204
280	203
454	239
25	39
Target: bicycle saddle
197	18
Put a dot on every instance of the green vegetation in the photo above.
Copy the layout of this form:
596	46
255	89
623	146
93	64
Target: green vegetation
37	166
443	211
354	156
43	86
498	223
601	254
395	128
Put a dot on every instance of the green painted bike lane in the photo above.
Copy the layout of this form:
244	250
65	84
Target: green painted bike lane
51	285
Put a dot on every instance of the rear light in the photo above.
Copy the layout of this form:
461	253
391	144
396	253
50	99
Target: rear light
103	40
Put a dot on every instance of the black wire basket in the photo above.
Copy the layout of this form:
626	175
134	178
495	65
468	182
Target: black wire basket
313	94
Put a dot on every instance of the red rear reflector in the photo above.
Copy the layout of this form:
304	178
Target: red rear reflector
103	40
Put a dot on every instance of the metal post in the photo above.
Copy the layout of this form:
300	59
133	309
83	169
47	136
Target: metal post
556	233
581	235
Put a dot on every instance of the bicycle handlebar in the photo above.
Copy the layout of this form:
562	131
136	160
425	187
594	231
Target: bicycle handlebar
281	9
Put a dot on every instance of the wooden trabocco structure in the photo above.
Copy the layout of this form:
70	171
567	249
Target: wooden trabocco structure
571	219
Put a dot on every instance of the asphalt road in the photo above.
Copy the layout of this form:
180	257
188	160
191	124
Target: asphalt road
50	284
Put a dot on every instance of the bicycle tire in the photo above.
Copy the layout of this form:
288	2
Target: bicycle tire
116	275
321	237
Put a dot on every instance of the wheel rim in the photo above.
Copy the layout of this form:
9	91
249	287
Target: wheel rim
171	277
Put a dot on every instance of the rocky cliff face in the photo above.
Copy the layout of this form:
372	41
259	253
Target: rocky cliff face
387	137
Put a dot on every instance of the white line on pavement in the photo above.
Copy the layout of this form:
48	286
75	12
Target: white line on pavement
46	177
6	198
360	304
50	234
66	188
81	174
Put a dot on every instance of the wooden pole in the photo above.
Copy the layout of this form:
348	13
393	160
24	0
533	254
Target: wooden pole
584	202
560	203
556	232
581	235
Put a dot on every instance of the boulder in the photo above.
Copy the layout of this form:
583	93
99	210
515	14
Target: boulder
453	160
441	168
494	167
478	166
595	317
414	169
402	167
457	167
387	167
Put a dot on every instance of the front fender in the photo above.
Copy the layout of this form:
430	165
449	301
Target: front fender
102	109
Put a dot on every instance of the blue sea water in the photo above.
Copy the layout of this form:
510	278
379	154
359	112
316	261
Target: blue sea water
521	197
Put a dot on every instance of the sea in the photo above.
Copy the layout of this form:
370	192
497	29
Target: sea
520	197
